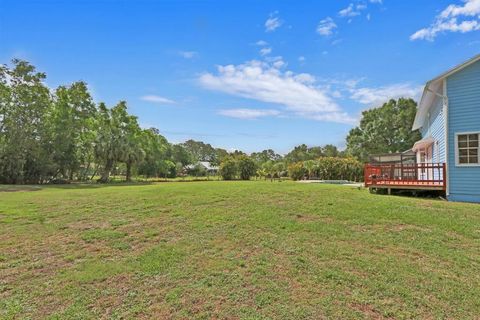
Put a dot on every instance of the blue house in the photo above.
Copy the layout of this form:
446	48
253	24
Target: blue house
447	156
448	118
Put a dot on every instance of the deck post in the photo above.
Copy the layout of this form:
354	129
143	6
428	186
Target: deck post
389	190
444	177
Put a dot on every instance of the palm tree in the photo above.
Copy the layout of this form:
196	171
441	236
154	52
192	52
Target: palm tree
131	146
310	166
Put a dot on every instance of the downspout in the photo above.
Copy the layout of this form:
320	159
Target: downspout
445	117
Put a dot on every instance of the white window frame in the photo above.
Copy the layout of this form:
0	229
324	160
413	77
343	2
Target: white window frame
457	153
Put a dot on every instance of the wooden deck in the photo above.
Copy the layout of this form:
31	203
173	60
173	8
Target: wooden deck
429	176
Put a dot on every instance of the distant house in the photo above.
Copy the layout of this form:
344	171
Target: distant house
205	165
209	167
447	156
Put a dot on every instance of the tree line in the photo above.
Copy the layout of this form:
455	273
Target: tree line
62	134
57	135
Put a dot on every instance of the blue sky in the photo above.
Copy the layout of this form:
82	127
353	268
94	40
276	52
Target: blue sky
245	75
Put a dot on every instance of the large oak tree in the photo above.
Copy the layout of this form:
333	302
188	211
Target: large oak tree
384	130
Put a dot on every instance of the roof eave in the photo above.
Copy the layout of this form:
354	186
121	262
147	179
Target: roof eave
421	112
418	122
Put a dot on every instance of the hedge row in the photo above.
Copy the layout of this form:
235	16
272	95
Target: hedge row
327	168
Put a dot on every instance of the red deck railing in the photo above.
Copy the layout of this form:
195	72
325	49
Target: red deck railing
418	176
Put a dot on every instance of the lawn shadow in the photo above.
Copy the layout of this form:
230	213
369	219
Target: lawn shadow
18	188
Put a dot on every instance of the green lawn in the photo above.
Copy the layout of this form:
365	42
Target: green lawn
235	250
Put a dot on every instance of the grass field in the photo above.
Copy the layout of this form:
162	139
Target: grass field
235	250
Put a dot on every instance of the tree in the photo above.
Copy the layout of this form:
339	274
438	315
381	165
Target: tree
132	151
200	151
261	173
329	150
309	166
112	139
383	130
167	169
181	154
72	123
299	153
25	104
228	169
279	169
314	153
269	168
246	167
296	171
220	154
157	150
264	156
198	170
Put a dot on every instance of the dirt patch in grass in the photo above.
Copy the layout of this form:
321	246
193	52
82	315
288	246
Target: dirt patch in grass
87	225
303	217
389	228
368	311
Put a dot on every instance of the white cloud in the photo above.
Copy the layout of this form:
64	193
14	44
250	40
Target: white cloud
336	41
265	51
353	10
301	59
157	99
277	61
379	95
337	94
273	23
451	25
265	82
261	43
339	117
326	27
361	6
279	64
305	78
350	11
470	8
188	54
455	18
248	113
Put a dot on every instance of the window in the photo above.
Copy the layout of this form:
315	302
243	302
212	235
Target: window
467	149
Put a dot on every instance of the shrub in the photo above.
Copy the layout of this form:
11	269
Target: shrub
197	171
167	169
296	171
246	167
328	168
228	169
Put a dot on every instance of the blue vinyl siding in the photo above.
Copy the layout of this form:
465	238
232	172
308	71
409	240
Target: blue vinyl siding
434	127
463	91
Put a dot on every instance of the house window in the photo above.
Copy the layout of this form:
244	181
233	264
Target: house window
467	149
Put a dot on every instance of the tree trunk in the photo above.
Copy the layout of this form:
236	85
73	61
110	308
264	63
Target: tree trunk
106	171
84	174
128	176
94	172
